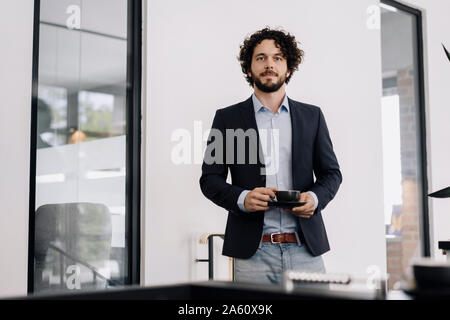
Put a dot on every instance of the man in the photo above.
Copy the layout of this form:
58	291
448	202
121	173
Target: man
266	241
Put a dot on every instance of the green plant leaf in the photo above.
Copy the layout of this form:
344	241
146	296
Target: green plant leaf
446	52
444	193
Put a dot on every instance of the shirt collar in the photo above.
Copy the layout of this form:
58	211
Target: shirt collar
258	106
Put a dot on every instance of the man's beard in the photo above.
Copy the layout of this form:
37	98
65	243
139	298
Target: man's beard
269	86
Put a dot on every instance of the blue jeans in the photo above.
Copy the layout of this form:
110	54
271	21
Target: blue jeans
271	260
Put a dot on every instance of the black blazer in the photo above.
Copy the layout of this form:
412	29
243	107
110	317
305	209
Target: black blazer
312	152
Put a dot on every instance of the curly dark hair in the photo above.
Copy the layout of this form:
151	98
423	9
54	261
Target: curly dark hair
283	40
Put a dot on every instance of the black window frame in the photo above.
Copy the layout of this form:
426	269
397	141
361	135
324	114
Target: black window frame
424	219
133	143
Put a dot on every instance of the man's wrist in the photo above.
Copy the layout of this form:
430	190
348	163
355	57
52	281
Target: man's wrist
241	200
316	200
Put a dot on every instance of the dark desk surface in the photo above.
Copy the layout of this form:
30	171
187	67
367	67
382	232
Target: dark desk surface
218	290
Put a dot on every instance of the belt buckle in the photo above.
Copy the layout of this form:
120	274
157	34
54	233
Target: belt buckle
271	238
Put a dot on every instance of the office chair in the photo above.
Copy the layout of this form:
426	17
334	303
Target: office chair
75	235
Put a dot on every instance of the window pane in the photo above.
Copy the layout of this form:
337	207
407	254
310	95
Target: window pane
401	140
80	238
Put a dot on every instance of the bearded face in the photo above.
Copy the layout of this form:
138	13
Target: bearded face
269	67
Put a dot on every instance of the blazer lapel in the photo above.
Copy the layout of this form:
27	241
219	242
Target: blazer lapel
248	114
296	124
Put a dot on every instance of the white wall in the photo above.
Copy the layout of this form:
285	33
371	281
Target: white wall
16	36
192	71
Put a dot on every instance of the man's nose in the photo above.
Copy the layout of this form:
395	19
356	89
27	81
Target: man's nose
269	64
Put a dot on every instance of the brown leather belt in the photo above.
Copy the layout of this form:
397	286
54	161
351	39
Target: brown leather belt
280	238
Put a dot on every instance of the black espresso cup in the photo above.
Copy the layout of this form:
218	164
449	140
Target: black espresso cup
287	195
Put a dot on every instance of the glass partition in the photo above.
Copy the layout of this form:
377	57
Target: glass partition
82	232
403	130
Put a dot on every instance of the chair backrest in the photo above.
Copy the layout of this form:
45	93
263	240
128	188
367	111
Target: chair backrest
79	230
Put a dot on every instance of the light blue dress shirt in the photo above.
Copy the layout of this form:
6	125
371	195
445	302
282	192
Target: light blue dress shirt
276	220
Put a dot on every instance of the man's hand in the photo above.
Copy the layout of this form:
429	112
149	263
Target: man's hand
256	200
305	211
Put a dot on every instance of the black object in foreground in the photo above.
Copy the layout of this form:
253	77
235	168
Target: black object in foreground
432	275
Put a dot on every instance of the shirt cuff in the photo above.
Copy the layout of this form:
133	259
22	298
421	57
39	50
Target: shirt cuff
316	201
241	200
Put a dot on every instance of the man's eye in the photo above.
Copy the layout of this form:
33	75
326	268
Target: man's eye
259	58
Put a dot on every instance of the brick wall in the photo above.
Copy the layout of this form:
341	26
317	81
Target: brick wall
402	249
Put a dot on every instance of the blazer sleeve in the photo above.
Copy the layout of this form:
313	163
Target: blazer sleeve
326	167
214	175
